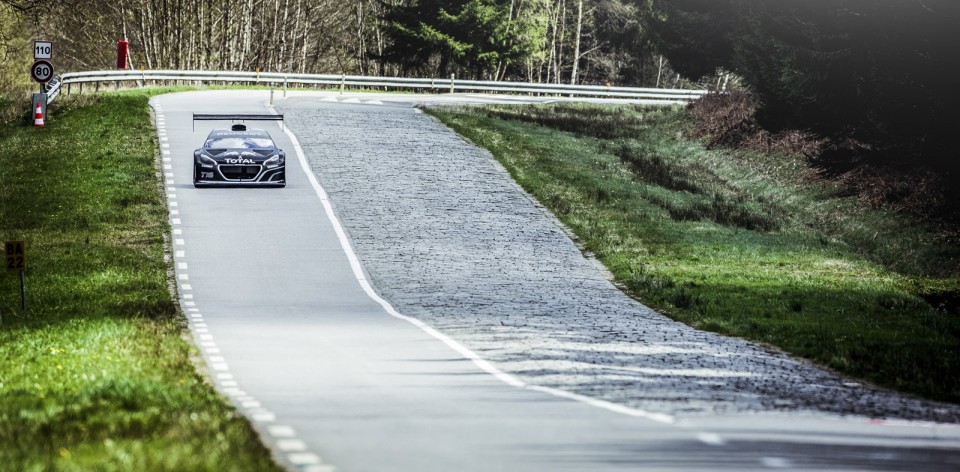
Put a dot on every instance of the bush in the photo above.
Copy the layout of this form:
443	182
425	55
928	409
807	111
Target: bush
728	119
725	119
916	190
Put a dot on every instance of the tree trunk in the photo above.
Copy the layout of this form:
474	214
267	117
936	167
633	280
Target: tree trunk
563	30
576	47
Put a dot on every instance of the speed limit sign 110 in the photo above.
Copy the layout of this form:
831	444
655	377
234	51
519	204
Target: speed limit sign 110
41	71
42	50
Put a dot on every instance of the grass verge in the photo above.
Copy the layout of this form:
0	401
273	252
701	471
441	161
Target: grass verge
97	374
739	243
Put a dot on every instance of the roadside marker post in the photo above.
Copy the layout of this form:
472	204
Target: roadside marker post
41	71
123	54
15	260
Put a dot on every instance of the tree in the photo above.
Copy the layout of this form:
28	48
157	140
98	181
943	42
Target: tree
619	48
482	37
871	71
696	35
14	57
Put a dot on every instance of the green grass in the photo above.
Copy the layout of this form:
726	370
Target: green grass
735	242
98	374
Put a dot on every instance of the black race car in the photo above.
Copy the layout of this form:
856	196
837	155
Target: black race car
239	157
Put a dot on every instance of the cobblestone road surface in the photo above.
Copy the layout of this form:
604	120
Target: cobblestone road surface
449	238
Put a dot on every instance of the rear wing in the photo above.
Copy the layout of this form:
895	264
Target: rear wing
234	118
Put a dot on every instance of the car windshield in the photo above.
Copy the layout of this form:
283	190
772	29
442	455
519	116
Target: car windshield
241	142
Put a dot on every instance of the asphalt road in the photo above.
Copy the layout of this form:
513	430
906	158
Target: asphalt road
334	379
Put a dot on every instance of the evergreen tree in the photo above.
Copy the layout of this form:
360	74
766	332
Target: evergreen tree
477	37
874	71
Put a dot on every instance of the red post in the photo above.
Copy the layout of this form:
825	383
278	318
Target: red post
123	52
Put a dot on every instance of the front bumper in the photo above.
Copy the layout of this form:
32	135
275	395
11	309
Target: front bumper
230	175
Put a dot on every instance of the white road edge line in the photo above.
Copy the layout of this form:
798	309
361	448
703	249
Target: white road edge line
476	359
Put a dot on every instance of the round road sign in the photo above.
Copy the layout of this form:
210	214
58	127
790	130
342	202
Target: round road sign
41	71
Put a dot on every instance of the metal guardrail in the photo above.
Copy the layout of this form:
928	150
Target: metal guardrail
451	84
53	89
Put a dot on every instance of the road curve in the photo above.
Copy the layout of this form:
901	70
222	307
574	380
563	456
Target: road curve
334	381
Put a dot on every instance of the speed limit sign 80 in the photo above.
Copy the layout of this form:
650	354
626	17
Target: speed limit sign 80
41	71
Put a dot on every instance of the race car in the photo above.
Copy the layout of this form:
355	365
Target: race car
239	156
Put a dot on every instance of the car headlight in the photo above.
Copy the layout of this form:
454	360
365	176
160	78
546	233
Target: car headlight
205	160
273	161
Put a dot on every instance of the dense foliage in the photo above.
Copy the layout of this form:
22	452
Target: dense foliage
872	74
579	41
576	41
480	36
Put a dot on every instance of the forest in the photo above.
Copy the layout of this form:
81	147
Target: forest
870	78
579	41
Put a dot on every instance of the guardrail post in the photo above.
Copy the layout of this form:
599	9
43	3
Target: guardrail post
452	78
284	86
343	82
271	93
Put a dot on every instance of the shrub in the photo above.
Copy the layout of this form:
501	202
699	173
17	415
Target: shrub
728	119
725	119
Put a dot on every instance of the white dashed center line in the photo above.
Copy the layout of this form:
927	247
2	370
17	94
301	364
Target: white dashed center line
711	439
775	462
303	458
280	431
264	417
290	445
